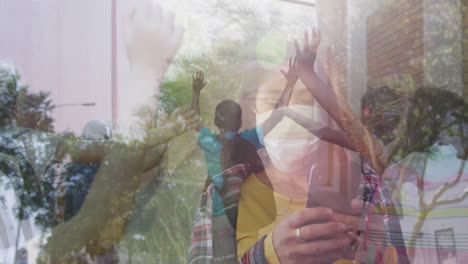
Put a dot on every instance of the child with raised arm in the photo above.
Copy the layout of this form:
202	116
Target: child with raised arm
228	148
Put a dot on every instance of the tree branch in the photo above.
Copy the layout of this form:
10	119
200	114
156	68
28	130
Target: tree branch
451	201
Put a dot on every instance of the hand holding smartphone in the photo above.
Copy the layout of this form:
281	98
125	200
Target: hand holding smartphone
338	194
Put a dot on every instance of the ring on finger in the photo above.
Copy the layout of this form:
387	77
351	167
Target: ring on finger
299	235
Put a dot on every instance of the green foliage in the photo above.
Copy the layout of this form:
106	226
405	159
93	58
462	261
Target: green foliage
34	110
35	192
175	93
160	228
221	67
431	120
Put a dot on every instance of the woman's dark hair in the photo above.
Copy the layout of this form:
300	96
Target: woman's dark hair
381	110
237	151
228	116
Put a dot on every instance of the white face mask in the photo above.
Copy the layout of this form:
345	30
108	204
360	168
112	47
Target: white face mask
288	144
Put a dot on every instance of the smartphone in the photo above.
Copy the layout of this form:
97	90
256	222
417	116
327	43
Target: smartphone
342	186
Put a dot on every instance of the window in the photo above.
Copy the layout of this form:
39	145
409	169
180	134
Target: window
446	250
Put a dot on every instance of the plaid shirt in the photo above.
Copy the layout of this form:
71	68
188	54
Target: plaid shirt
213	239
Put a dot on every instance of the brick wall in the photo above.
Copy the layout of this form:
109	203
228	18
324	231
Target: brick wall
396	44
332	22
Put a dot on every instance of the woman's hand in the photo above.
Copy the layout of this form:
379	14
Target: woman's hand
306	58
320	242
180	121
355	228
373	230
151	37
291	76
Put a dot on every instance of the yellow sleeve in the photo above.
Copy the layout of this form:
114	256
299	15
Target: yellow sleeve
390	255
270	252
244	243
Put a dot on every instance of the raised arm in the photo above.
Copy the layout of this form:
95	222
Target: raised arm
324	95
335	103
319	130
180	121
83	151
197	85
276	116
151	39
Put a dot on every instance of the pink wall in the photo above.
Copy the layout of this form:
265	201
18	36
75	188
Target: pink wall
62	46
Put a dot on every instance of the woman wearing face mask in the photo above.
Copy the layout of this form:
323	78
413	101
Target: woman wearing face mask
283	221
272	224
